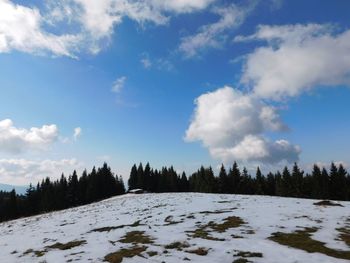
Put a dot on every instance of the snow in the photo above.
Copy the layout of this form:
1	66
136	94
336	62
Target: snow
262	214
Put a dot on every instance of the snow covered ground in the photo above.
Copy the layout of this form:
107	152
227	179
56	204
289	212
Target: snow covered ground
153	222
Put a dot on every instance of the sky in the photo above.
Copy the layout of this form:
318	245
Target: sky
172	82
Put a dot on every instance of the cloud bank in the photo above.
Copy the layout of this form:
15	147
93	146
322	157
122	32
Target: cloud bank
17	140
23	172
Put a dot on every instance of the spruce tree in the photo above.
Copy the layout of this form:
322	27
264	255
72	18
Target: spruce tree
132	183
259	182
223	180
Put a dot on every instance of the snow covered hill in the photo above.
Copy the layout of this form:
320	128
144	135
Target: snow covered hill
188	227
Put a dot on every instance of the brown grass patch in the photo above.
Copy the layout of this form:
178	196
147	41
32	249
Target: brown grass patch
137	237
118	256
177	245
301	239
199	251
110	228
327	203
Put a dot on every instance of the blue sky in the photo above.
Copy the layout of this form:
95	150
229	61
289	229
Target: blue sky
171	82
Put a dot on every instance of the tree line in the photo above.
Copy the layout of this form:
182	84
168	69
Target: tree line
102	183
319	184
63	193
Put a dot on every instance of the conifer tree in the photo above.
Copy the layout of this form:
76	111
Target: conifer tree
223	180
297	181
259	182
317	189
133	178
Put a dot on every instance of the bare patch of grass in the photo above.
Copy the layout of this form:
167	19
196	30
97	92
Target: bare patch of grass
68	245
248	232
110	228
178	245
248	254
241	260
169	221
203	233
344	235
213	212
229	222
205	230
301	239
137	237
152	253
199	251
37	253
327	203
60	246
118	256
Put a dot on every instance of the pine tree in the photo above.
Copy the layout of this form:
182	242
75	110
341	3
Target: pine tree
147	178
223	180
341	183
140	177
317	189
297	181
234	178
333	182
184	186
13	206
270	184
259	182
133	178
286	183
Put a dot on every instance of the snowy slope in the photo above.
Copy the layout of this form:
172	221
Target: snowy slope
167	218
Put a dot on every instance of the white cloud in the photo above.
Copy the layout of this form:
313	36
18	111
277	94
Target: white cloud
162	64
21	29
118	84
212	35
297	58
90	23
16	140
232	126
257	148
181	6
23	172
146	62
77	133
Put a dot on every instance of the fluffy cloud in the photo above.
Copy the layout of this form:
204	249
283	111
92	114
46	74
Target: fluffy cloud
16	140
90	22
118	84
21	29
231	125
23	172
211	36
99	17
297	58
77	133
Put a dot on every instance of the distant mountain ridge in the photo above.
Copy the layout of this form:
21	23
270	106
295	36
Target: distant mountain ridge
20	189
